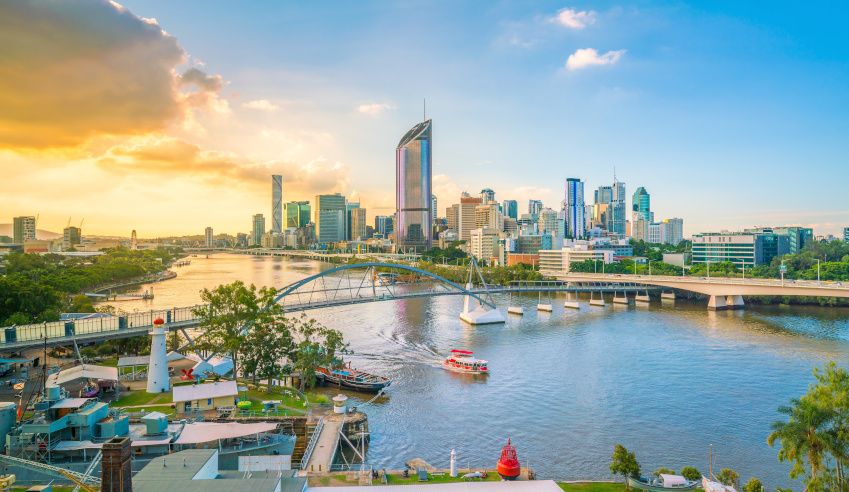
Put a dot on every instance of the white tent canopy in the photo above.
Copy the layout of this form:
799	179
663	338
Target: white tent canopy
200	432
83	371
673	480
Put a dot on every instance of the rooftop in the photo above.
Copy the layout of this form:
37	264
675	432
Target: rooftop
193	392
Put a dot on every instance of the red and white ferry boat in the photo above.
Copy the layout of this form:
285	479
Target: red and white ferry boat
464	361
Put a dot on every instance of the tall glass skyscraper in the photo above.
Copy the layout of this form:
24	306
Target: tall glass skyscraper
276	203
510	209
413	189
617	214
575	221
641	206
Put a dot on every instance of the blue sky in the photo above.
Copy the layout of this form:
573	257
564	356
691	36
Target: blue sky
731	114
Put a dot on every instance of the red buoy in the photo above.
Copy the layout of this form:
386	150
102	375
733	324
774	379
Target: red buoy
158	321
508	465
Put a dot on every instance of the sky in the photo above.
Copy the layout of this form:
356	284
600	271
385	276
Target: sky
167	117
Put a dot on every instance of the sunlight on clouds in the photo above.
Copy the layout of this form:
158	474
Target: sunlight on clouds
374	109
588	57
261	105
574	19
75	70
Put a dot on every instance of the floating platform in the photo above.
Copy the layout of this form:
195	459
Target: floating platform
545	307
572	304
597	302
644	299
516	310
481	316
621	300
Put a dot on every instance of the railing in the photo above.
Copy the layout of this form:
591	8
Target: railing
711	280
311	444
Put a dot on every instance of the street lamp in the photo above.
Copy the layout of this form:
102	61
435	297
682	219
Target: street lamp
818	270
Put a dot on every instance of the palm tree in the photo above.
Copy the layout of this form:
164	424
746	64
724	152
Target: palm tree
804	437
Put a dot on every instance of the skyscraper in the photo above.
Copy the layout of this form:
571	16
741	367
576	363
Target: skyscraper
383	225
574	208
297	214
71	237
330	218
23	229
358	224
350	208
276	203
617	208
413	189
641	206
511	209
534	207
209	237
487	195
257	229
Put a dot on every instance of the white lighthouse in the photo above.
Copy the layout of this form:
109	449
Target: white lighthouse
157	370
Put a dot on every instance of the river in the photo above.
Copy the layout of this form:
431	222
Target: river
666	381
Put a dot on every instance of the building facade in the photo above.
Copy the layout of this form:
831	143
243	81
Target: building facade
276	204
297	214
641	206
574	209
257	230
413	189
740	248
330	215
358	224
71	237
383	225
23	229
209	238
484	246
467	216
510	208
617	221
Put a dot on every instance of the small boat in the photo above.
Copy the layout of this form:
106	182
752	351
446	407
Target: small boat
664	483
90	390
465	362
347	377
508	464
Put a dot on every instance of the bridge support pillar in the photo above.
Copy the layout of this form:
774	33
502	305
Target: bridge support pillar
735	302
717	303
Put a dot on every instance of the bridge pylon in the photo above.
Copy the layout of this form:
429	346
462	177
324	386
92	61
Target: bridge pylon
475	312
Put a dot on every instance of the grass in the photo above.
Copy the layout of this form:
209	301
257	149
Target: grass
291	402
413	479
593	486
141	397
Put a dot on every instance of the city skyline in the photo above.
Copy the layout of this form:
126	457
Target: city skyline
614	85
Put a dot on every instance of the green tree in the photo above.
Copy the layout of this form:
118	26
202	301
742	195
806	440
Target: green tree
624	462
728	477
663	471
81	303
691	473
316	346
804	437
227	315
267	344
753	485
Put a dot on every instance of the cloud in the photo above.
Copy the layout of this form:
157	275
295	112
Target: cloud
74	70
374	109
261	105
587	57
175	158
574	19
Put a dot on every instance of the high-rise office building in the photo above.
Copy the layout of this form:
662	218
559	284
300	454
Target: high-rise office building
510	208
71	237
433	210
257	229
488	216
209	238
574	208
846	234
617	218
452	217
383	224
349	211
741	248
641	206
674	230
358	224
534	207
297	214
413	189
23	229
467	216
330	218
487	195
276	204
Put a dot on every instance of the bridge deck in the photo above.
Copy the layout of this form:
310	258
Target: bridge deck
322	455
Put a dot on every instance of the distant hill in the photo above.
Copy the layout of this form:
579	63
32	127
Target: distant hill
8	230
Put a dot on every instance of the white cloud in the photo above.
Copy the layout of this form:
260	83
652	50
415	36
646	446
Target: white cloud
374	109
574	19
261	105
588	57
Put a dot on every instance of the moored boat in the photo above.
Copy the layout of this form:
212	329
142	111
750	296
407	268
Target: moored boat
464	361
348	377
664	483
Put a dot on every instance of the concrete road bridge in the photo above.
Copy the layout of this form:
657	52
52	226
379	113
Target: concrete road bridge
358	283
722	292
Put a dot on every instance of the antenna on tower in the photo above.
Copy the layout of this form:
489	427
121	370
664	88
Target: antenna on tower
614	173
424	109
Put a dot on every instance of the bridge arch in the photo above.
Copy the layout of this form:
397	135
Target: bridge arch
451	287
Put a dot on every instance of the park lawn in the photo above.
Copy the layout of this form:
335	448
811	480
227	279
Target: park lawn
592	486
141	397
413	479
293	405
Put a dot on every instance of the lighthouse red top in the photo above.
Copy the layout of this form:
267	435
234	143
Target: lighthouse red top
158	321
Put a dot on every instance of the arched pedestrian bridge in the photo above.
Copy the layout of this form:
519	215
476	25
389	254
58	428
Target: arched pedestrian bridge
343	285
722	292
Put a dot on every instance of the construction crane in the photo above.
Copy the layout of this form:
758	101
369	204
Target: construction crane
83	482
